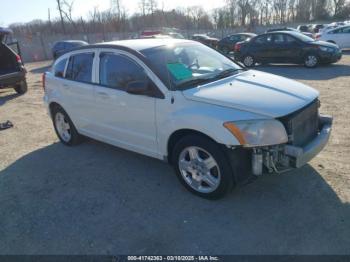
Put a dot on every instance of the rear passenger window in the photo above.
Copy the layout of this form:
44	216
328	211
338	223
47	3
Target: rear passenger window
264	39
59	68
117	71
278	39
290	39
80	68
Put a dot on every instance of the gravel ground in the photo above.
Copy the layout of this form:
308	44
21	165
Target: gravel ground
98	199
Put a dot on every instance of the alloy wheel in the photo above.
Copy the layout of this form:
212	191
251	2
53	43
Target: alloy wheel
63	127
311	61
248	61
199	169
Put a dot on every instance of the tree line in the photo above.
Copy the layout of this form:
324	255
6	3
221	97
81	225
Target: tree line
154	14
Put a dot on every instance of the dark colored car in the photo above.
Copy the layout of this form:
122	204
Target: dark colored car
12	71
290	29
227	44
207	40
63	47
286	47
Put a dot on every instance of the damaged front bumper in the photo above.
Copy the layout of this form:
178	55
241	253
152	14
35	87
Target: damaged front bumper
284	157
302	155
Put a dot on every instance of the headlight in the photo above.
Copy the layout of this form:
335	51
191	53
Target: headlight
258	132
326	49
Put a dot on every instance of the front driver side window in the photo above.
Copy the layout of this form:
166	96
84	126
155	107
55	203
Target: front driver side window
117	71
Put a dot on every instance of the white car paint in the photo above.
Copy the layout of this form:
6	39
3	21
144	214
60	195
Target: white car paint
144	124
256	92
340	38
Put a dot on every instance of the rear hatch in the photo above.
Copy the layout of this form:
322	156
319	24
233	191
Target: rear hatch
9	60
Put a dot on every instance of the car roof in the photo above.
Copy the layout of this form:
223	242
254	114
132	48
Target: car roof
72	41
343	26
142	44
250	34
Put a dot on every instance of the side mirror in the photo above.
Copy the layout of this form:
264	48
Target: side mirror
138	87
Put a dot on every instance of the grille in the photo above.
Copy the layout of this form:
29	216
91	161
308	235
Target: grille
302	126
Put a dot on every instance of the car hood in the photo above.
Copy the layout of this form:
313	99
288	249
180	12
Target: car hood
324	43
256	92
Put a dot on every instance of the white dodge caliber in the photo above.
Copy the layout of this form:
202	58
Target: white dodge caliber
217	123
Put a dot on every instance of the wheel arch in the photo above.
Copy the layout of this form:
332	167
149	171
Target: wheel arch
178	134
53	106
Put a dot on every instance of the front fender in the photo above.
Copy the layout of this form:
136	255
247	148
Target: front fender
201	117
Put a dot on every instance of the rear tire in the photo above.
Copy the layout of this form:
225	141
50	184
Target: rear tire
21	88
202	167
64	127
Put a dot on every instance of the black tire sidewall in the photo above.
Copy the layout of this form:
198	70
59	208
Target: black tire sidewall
227	177
75	136
21	88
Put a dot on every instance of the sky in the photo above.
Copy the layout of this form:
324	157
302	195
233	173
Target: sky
13	11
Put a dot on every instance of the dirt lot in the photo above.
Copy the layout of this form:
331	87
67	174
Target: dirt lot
97	199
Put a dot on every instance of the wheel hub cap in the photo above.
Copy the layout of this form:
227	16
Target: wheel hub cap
63	127
199	169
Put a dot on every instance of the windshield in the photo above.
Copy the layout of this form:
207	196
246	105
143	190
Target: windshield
183	66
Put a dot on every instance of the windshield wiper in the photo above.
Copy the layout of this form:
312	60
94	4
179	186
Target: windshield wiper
226	73
193	82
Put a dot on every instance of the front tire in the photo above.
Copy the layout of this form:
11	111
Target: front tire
64	127
311	61
249	61
202	167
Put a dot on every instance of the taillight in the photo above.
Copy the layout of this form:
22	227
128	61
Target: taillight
18	59
43	80
237	47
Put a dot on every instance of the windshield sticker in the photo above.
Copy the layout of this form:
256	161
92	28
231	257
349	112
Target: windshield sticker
179	71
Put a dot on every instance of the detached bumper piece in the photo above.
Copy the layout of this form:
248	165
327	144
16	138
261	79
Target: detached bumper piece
280	158
302	155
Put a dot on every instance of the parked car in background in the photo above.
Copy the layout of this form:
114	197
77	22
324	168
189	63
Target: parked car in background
155	36
316	28
176	35
227	44
183	102
303	28
286	47
339	36
12	71
290	29
62	47
327	28
205	39
165	32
